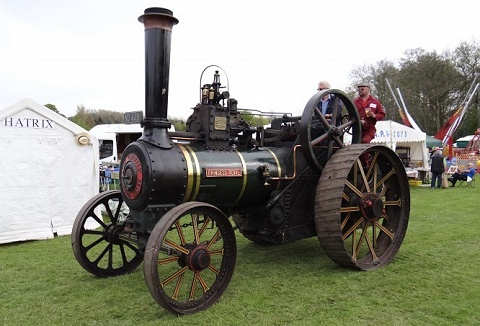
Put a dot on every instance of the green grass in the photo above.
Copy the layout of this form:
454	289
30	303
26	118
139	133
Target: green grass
434	280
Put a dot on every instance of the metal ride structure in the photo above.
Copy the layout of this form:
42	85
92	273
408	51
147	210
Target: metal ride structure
182	192
473	145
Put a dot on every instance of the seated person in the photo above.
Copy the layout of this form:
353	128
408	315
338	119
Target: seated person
468	172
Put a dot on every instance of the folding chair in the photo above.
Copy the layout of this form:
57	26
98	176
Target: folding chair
469	183
451	170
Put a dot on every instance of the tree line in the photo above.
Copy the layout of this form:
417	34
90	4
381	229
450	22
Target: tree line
433	85
89	118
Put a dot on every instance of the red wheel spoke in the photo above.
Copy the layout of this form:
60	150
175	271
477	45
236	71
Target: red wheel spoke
213	269
175	246
192	287
168	260
195	228
358	245
346	209
173	276
216	252
202	282
204	226
353	228
392	203
178	285
385	230
371	247
213	239
353	188
180	233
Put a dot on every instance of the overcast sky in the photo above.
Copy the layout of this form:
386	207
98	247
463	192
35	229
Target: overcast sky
91	53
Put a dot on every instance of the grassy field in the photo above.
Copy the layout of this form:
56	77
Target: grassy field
433	281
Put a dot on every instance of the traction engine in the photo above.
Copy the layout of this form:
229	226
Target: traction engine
182	193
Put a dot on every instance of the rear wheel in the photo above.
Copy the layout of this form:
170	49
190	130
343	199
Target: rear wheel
362	206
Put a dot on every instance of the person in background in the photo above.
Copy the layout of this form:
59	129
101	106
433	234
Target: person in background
370	110
437	168
327	103
468	172
433	151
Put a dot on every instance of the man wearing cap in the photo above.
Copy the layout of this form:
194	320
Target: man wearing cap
370	110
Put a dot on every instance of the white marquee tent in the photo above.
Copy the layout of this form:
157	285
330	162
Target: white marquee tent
48	171
395	135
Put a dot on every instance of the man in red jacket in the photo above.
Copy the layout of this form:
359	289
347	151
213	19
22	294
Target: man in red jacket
370	110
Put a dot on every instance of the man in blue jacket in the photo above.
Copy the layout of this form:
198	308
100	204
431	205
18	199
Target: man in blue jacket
328	103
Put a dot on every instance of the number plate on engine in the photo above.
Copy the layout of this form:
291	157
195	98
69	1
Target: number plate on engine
132	117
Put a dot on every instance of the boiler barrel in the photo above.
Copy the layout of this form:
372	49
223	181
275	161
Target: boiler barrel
188	172
231	177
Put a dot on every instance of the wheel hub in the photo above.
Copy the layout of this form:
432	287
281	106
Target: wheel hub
334	131
198	259
371	206
112	233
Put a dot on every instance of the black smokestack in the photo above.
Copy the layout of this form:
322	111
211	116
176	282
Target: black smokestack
158	24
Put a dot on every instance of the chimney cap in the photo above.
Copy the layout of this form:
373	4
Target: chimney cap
157	11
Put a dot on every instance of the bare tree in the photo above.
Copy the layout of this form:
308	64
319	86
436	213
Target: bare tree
375	75
466	58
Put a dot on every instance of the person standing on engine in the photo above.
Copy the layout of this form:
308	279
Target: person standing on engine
327	103
370	110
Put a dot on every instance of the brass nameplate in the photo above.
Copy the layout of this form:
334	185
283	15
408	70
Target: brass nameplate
223	173
220	123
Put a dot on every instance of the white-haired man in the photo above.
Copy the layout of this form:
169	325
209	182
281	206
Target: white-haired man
327	103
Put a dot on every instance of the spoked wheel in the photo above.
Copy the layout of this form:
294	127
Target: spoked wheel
190	257
362	206
100	243
321	137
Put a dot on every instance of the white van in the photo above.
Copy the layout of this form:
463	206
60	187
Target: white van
114	138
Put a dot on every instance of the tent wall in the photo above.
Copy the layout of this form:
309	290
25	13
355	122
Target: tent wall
47	175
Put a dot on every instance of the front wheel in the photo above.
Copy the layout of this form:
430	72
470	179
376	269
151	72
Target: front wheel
100	242
190	257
